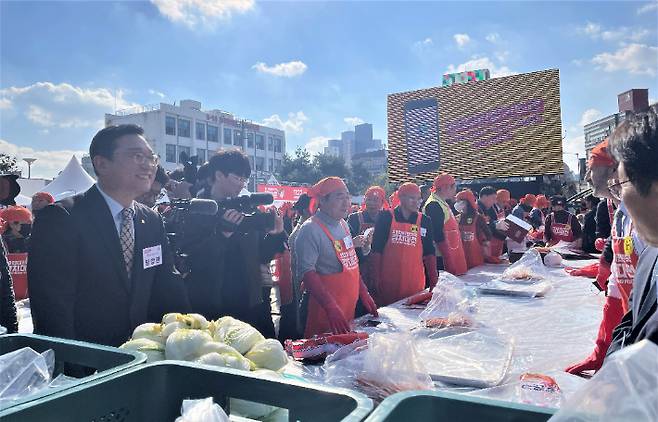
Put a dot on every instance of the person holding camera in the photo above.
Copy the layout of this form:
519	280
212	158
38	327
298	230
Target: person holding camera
327	263
225	254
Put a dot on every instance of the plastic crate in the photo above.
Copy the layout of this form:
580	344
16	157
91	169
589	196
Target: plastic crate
72	358
155	392
441	406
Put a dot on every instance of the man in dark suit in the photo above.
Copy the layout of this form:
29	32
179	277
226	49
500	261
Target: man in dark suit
100	263
635	146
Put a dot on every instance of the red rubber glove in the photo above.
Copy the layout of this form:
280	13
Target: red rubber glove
599	244
431	273
375	273
603	274
337	321
367	300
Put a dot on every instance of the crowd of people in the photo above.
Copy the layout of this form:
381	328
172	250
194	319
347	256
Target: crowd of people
118	255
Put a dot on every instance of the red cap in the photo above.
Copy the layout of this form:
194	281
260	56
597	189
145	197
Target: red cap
600	156
16	213
467	195
442	180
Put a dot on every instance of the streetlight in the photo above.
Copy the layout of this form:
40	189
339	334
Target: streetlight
29	162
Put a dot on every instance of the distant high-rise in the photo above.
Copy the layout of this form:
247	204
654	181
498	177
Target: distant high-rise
362	138
347	152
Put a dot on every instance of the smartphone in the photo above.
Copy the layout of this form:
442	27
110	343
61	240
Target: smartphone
421	122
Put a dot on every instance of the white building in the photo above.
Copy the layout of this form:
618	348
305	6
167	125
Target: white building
186	128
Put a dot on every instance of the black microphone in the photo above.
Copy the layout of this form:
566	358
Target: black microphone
203	206
261	198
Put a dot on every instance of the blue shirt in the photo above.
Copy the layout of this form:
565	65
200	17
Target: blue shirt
115	209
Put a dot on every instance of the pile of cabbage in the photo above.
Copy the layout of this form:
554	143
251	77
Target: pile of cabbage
226	342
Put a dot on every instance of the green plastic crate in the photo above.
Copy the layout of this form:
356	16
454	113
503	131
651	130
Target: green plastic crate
442	406
70	355
155	392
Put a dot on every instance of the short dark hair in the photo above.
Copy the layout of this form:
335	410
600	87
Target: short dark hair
230	161
635	143
161	176
104	142
486	191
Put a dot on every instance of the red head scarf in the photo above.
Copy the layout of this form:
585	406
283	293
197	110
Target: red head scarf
45	196
467	195
323	188
394	200
529	200
600	156
542	202
441	181
16	213
409	188
375	192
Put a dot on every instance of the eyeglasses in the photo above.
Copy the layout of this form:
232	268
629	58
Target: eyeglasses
241	179
140	158
614	186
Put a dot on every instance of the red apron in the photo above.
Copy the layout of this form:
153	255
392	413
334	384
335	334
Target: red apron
403	273
561	231
624	261
343	286
495	244
282	276
454	261
472	246
18	270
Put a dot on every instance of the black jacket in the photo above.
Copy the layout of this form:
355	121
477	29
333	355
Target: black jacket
79	287
7	304
642	320
603	223
589	232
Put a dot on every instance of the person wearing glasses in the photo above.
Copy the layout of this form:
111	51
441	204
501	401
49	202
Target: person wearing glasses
225	267
635	146
100	263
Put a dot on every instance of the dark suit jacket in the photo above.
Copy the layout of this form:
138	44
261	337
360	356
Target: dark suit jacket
79	287
642	320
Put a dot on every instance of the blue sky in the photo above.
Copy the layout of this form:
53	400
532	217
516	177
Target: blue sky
311	68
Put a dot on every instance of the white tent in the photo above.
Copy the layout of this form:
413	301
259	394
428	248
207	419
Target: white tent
71	181
23	200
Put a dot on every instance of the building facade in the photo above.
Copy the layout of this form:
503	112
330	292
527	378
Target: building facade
373	161
171	130
362	138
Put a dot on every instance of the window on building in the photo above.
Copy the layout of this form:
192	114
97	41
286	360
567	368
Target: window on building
260	142
201	153
270	143
227	136
186	150
213	133
277	165
184	128
201	131
271	165
260	163
278	144
237	138
250	140
170	125
251	162
170	153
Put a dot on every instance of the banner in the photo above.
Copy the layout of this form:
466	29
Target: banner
283	193
18	271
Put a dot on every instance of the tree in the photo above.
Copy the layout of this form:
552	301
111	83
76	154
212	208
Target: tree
298	168
328	165
361	179
8	163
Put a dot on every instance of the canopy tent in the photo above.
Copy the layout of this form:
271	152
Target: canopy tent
23	200
71	181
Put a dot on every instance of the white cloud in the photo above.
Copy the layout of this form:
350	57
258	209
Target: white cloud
5	103
481	63
427	42
573	147
502	56
201	13
156	93
639	59
462	40
49	162
316	145
590	115
295	122
623	33
64	105
648	7
288	70
353	121
494	37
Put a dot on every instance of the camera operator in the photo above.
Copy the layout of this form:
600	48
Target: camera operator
224	261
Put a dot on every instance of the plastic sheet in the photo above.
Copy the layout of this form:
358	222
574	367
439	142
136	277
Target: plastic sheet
24	372
452	304
499	287
475	359
625	389
384	365
203	410
529	269
548	390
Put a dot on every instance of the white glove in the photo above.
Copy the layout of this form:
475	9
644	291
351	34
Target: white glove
502	225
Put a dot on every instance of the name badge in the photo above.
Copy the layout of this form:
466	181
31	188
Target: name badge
423	231
348	242
152	256
628	245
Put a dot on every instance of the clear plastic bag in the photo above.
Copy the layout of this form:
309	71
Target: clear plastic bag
386	364
203	410
24	372
452	304
528	269
625	389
